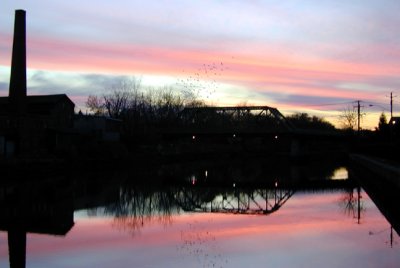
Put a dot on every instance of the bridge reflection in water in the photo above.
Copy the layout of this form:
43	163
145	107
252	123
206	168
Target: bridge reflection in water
48	207
241	201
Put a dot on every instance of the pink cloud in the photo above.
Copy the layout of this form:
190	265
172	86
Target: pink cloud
109	57
263	68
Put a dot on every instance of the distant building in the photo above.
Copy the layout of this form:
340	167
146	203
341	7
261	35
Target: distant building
394	127
30	124
45	120
394	121
101	128
52	111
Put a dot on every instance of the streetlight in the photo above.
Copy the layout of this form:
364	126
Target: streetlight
383	113
376	105
380	106
392	121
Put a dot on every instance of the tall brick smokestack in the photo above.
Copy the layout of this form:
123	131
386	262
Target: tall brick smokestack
17	90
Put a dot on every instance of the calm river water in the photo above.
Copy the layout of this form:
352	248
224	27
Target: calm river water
203	221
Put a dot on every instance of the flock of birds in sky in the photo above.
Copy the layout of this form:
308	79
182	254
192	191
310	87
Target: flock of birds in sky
204	82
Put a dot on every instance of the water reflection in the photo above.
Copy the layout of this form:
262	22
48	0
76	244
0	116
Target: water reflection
201	244
47	207
387	234
385	196
340	173
232	200
352	203
138	206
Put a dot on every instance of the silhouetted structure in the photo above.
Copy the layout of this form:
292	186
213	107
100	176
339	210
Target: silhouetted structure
394	120
44	208
394	127
100	128
17	90
241	119
30	124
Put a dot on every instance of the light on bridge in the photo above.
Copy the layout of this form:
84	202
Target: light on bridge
193	180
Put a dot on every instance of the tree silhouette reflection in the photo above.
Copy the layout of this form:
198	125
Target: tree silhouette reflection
352	203
138	207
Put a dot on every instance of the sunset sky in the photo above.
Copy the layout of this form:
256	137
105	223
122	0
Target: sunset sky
298	56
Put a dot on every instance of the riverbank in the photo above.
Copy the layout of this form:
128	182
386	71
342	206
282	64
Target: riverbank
388	171
380	179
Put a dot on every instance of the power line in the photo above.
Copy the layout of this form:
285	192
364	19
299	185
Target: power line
329	104
377	103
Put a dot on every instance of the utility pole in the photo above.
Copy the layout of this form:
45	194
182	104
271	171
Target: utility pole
391	105
358	117
391	115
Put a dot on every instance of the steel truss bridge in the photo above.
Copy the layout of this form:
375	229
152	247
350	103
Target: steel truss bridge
239	120
255	128
244	201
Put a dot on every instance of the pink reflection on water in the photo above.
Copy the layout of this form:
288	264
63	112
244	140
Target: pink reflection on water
310	230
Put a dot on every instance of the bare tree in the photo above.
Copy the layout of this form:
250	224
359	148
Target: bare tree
195	103
117	99
348	118
122	96
142	110
95	105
